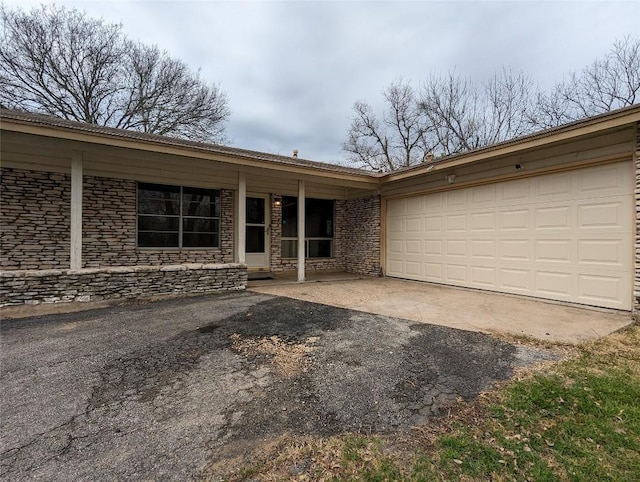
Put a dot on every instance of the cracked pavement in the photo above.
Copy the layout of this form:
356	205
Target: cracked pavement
161	391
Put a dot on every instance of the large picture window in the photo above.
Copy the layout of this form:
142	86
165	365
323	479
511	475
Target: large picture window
178	217
318	228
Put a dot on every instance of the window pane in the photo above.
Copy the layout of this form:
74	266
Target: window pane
158	199
255	239
255	210
158	223
199	240
289	217
200	202
157	240
319	248
319	218
289	248
200	225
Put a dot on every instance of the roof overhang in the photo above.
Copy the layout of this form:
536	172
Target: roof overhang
610	121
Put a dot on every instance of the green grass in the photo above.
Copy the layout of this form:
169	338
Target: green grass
576	421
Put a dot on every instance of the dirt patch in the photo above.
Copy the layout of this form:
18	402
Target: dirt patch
288	358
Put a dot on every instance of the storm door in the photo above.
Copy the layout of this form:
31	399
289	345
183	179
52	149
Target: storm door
257	243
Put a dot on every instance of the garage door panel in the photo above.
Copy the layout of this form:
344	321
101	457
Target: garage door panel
483	221
395	207
483	277
556	187
433	247
412	224
413	268
414	205
600	290
554	283
456	200
514	220
605	215
434	202
395	267
515	192
483	249
433	272
483	195
456	273
396	226
553	218
456	247
602	252
395	246
600	181
433	224
456	223
515	249
515	280
553	251
413	246
566	236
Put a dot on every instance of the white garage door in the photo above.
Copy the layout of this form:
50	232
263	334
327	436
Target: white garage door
565	236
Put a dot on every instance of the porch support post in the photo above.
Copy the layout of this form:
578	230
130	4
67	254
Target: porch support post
301	229
76	211
241	219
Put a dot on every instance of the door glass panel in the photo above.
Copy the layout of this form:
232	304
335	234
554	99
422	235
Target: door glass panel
255	210
255	239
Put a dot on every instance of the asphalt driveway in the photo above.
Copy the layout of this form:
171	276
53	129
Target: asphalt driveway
162	391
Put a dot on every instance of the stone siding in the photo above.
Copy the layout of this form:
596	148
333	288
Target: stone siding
35	208
636	284
99	284
362	237
109	229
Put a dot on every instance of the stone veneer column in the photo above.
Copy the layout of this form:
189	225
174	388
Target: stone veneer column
636	283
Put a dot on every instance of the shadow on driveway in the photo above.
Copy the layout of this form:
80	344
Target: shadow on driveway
162	390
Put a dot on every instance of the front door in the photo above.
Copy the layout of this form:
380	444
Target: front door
257	243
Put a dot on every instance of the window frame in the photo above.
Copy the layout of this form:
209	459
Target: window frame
309	239
181	217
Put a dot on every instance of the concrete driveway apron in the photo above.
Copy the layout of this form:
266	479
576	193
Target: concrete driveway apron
458	308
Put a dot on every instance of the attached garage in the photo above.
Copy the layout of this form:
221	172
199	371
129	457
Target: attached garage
564	236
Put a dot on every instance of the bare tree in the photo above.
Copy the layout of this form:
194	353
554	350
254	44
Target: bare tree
60	62
401	138
451	114
466	116
607	84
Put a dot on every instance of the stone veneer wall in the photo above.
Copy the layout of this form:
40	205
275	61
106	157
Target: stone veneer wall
109	229
26	287
636	284
362	236
356	241
35	208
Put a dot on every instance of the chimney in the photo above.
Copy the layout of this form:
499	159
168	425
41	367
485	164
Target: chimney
295	153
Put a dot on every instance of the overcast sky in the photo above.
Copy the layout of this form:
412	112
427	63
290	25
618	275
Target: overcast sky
292	70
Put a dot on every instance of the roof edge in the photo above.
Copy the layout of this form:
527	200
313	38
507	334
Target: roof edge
616	118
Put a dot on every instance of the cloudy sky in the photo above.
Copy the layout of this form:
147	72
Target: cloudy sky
292	70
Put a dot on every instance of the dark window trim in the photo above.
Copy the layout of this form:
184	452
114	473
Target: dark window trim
180	217
311	238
